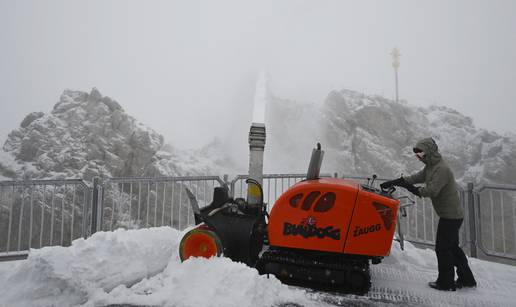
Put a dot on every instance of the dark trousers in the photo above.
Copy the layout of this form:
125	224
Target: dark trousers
449	254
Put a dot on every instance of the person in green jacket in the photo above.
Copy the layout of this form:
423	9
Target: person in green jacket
440	186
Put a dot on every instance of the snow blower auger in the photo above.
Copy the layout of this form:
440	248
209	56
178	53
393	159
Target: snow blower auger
321	233
229	227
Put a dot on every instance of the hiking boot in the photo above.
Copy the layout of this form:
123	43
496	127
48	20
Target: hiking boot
437	286
465	277
465	284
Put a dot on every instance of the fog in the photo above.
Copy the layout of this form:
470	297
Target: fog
188	68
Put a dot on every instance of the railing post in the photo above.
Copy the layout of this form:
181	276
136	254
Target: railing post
401	237
95	205
225	178
472	220
228	185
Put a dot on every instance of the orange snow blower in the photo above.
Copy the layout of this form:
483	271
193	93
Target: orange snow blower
321	233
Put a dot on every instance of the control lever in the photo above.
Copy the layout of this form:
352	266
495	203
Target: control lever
374	178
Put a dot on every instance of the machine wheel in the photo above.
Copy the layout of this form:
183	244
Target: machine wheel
200	242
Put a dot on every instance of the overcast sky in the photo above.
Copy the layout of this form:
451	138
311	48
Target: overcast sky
181	66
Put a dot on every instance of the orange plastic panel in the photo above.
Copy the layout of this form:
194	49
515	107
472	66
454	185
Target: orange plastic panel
313	215
200	242
373	225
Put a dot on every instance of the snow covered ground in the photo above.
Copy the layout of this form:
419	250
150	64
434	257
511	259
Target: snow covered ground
142	267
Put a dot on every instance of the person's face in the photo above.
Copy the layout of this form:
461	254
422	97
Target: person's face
420	155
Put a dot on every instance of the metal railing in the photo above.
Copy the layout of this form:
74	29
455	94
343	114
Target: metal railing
496	219
152	202
39	213
420	223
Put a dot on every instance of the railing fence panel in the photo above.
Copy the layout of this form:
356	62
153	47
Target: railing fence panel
153	202
39	213
496	219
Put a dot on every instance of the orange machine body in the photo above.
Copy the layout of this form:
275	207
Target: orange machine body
333	215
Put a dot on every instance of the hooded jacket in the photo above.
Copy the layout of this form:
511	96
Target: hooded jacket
439	182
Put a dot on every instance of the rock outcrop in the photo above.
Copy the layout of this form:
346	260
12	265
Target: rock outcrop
87	135
364	135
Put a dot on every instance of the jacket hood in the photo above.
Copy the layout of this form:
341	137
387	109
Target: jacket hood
429	147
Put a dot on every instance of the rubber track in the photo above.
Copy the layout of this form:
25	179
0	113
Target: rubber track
330	262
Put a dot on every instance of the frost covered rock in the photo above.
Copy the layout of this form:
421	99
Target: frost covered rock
30	118
87	135
365	135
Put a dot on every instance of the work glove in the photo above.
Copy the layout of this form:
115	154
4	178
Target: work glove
390	183
401	182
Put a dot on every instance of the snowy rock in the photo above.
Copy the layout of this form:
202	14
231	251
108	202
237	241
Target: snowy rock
95	95
87	135
364	135
30	118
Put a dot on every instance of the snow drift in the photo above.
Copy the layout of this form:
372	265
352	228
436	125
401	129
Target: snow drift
139	267
68	276
142	267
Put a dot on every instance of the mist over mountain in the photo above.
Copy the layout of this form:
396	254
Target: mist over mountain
365	135
87	135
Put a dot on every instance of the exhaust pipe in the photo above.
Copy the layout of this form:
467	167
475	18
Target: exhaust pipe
314	168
